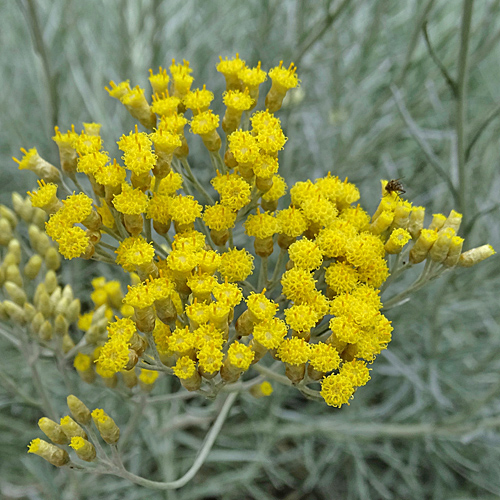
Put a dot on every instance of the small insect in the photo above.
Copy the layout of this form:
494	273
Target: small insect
394	186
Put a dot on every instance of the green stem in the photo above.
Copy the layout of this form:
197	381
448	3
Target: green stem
262	281
461	105
199	461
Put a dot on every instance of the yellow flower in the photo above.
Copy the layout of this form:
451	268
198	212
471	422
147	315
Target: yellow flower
236	265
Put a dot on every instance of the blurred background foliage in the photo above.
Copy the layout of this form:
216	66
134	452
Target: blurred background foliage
380	98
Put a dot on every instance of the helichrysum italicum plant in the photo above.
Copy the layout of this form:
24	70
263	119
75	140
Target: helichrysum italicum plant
203	303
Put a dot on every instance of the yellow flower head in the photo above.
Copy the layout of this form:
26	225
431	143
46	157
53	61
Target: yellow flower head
184	368
165	141
164	104
236	265
92	162
262	225
130	201
244	146
240	356
210	358
170	184
110	175
336	390
139	161
219	217
181	341
324	357
198	99
270	332
252	77
237	100
301	317
204	123
45	196
234	190
134	140
159	81
294	351
305	254
298	285
260	306
283	78
134	251
228	293
140	296
148	377
184	209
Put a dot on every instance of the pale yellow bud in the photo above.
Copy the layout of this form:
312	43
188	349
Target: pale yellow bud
71	428
40	242
44	305
261	390
56	456
16	293
83	448
62	306
73	311
50	281
52	259
37	322
14	312
12	273
454	220
5	232
61	325
454	252
15	249
106	426
32	267
382	222
30	311
53	431
7	213
78	409
46	331
22	207
39	218
67	343
438	221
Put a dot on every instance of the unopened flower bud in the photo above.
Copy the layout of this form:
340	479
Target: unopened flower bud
73	310
40	242
78	409
50	281
37	322
106	426
52	259
53	454
53	431
454	220
39	218
46	331
83	448
7	213
5	232
13	274
30	311
71	428
61	325
32	267
22	206
437	223
16	293
15	313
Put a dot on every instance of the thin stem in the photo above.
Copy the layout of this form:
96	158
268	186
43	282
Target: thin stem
277	268
461	104
197	464
41	389
262	273
133	421
12	387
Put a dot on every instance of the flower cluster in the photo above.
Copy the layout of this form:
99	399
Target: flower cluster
196	308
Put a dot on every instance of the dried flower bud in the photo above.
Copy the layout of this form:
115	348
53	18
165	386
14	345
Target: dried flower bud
79	410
